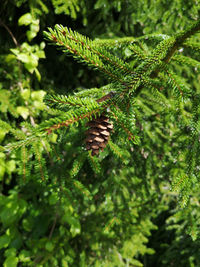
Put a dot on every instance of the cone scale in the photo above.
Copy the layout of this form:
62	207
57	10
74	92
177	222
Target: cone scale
98	134
99	130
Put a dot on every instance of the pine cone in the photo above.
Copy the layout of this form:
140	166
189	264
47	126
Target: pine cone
98	134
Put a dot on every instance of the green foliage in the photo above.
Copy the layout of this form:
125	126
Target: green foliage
67	7
137	203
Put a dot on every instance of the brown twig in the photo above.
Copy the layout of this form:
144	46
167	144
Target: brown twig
53	226
9	31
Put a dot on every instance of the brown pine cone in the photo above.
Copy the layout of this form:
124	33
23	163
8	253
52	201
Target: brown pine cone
98	134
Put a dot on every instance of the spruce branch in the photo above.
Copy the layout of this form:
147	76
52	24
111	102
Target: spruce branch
123	154
102	53
150	66
15	132
170	49
127	83
24	160
84	110
177	83
81	48
25	142
192	45
41	163
186	61
62	102
124	122
75	115
66	102
113	43
181	38
138	53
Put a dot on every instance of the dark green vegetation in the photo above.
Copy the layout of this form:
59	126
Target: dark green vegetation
137	203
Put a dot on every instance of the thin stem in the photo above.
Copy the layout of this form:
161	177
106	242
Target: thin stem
53	226
9	31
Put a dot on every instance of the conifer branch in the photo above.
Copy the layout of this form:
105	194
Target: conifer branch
23	151
192	45
180	39
170	49
112	43
186	61
66	102
102	53
81	47
123	121
138	53
76	115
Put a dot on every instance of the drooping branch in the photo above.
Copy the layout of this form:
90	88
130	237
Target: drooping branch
179	40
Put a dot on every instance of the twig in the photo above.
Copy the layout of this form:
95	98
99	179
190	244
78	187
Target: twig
9	31
53	226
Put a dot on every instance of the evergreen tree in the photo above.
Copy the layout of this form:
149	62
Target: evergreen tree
95	166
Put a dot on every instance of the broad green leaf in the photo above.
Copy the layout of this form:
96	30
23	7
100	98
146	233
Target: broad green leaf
49	246
37	73
9	212
32	63
2	155
53	199
38	95
4	241
10	251
2	134
75	228
15	51
35	26
136	263
40	53
2	169
23	111
26	94
25	255
23	57
26	19
31	35
10	262
42	45
10	166
28	224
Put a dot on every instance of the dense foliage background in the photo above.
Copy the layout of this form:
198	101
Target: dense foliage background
119	211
